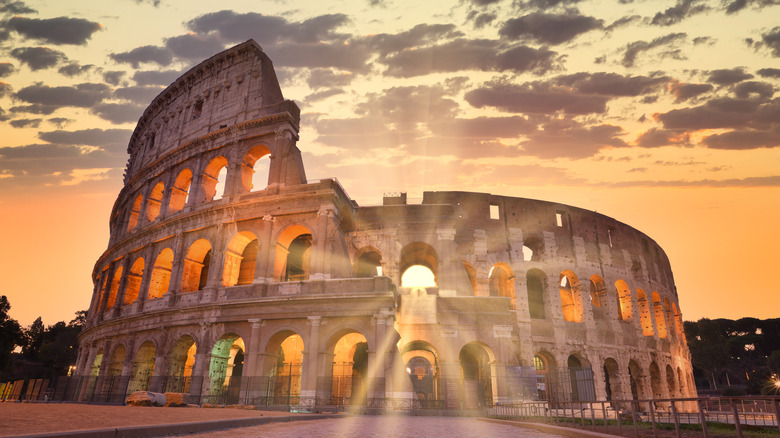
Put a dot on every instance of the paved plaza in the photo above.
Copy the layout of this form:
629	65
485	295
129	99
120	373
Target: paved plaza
386	426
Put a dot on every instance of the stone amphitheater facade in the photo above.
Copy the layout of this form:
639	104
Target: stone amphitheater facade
291	289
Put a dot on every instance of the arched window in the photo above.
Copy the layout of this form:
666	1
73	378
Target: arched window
644	313
227	367
571	297
214	175
114	287
135	210
254	169
472	276
180	191
422	257
536	284
154	201
625	312
502	282
369	263
350	369
532	249
293	254
143	367
660	315
161	274
134	277
477	377
196	266
598	295
181	362
240	259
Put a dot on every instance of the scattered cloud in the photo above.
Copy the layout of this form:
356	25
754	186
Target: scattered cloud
26	123
612	84
194	47
60	30
682	10
748	89
38	58
74	69
549	28
81	95
535	98
113	77
633	49
5	89
683	92
566	138
144	55
6	69
728	76
156	77
87	137
15	7
769	72
771	40
118	113
656	137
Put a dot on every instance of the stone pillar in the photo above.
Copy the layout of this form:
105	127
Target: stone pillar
143	291
318	268
165	202
157	374
196	187
310	361
120	294
108	275
252	349
174	285
377	359
265	252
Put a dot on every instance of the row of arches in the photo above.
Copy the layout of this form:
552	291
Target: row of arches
134	278
218	177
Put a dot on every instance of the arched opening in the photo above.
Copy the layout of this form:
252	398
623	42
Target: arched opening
669	316
94	370
180	191
422	366
161	274
114	287
143	367
544	365
625	312
536	284
103	287
476	375
680	383
226	368
255	168
598	295
182	360
154	201
660	315
670	381
419	255
214	176
532	249
502	282
293	254
571	297
369	263
196	266
284	386
612	380
644	313
350	369
635	377
240	259
655	381
472	276
117	361
581	379
678	324
135	210
134	277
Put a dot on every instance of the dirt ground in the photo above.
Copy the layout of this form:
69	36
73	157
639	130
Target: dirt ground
30	418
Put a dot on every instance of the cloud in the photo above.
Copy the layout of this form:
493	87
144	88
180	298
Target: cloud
622	22
769	72
663	137
194	47
74	69
463	54
34	109
3	116
38	58
633	49
612	84
761	90
755	181
113	77
771	40
138	94
59	121
15	7
26	123
118	113
744	139
544	5
419	36
569	139
6	69
60	30
81	95
738	5
482	128
324	94
326	77
683	92
5	89
144	54
156	77
728	76
481	20
549	28
234	27
675	14
87	137
535	98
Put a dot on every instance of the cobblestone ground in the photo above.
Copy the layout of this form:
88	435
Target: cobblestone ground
385	426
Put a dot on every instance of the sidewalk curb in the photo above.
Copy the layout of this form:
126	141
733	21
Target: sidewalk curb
549	428
178	428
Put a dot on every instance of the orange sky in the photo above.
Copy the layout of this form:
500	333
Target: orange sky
662	114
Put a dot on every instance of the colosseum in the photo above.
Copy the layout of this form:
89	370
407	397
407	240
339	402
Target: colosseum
231	278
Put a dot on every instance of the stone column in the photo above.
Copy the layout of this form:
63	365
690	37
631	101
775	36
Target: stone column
251	357
266	251
311	359
174	285
143	291
157	374
120	294
317	268
108	276
196	187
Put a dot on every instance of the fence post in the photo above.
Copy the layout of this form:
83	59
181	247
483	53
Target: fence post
776	404
652	416
634	407
702	418
736	419
676	420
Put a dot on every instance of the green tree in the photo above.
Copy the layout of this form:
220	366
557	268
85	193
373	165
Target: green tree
773	362
11	336
34	340
707	340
